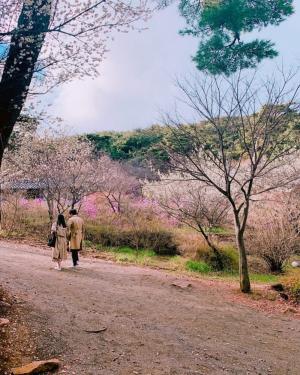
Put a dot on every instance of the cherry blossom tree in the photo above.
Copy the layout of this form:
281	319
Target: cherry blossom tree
68	170
47	42
64	167
117	184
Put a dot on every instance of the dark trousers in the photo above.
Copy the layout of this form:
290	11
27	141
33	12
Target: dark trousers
75	257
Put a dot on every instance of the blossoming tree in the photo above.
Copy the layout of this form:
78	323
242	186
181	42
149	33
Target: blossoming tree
47	42
64	167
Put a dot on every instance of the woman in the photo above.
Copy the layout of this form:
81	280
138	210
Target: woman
60	250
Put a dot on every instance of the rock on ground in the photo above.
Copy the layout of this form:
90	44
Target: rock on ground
36	367
296	263
4	322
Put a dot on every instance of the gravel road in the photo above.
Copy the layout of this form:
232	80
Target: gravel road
153	328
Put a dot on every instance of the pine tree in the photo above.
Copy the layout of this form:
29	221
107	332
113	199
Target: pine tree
222	25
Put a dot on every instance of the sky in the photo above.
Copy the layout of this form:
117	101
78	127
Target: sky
136	81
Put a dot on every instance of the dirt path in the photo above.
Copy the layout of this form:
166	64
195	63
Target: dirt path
153	328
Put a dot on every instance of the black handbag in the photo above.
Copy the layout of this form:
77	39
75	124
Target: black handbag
52	240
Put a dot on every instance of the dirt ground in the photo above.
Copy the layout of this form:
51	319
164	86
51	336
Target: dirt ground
153	327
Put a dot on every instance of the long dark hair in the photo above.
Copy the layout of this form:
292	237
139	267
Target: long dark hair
61	220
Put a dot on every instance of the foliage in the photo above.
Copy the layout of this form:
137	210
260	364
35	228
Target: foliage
216	57
27	218
144	257
138	148
228	254
221	25
196	266
159	240
291	283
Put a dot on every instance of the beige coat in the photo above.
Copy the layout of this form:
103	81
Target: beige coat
60	250
75	232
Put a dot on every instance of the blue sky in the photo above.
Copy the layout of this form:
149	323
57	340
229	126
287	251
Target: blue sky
136	80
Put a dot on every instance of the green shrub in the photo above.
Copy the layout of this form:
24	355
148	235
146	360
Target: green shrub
291	284
228	256
196	266
159	240
88	243
106	236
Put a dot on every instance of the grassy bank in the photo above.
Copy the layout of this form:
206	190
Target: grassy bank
177	263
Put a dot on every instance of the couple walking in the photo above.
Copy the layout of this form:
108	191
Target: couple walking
68	237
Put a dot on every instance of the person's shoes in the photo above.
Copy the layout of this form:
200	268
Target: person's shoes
57	268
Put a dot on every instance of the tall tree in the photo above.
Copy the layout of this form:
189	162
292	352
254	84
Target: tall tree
238	147
221	26
47	42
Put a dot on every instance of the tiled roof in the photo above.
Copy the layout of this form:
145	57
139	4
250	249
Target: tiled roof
26	185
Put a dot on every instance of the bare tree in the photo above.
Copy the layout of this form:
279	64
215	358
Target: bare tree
243	142
292	207
195	204
47	42
271	235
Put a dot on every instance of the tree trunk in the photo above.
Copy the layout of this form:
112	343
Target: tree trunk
50	209
243	264
219	260
0	203
25	47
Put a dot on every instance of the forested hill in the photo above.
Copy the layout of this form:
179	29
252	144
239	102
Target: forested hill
139	147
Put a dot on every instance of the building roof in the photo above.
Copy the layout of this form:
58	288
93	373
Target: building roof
26	185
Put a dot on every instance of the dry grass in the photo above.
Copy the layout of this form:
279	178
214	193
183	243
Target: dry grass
188	241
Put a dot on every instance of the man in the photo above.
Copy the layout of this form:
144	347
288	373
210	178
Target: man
75	235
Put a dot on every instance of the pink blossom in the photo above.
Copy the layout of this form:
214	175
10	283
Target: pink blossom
89	207
24	202
38	201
